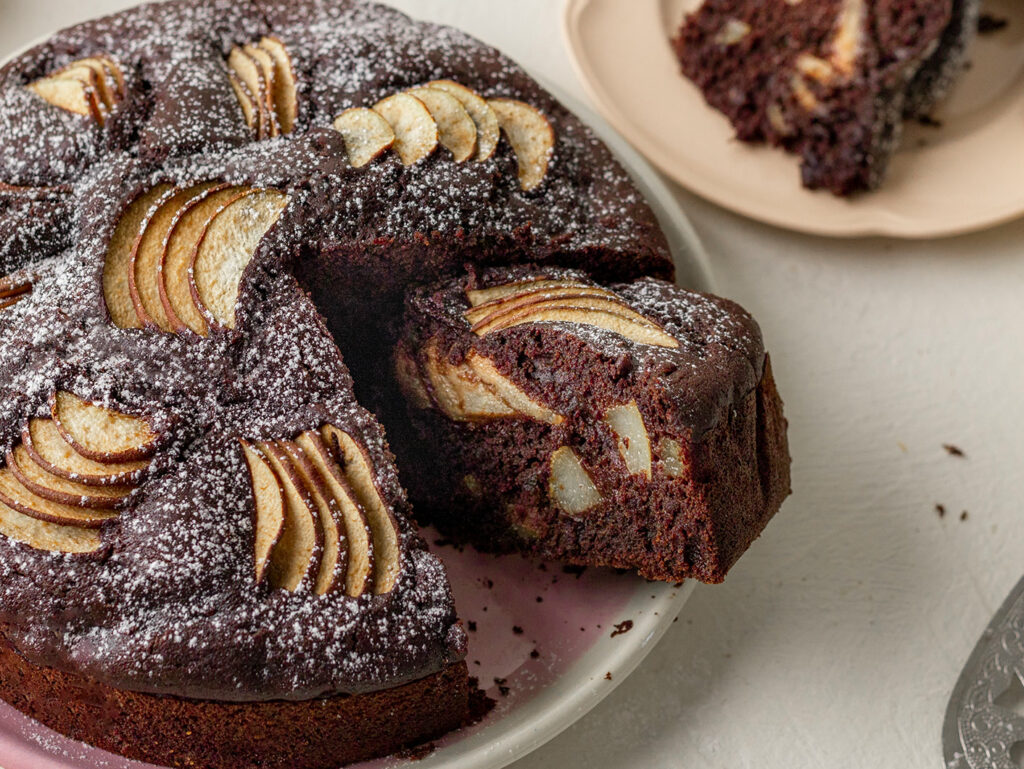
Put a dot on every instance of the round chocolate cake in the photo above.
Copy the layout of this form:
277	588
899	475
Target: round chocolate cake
210	210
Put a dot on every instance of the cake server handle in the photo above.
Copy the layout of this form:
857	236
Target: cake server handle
978	733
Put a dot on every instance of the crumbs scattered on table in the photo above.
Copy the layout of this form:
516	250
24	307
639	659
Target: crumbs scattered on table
989	23
928	121
941	510
572	569
534	655
963	516
476	662
540	600
953	451
677	585
517	630
503	689
442	542
608	676
622	627
471	626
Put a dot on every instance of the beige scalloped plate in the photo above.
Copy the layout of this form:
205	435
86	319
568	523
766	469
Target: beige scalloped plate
966	175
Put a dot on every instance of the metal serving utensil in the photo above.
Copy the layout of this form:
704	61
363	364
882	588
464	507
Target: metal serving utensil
978	733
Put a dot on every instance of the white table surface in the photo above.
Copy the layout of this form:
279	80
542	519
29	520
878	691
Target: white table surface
836	640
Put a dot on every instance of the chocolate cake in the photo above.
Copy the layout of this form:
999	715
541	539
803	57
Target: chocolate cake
209	211
829	80
632	425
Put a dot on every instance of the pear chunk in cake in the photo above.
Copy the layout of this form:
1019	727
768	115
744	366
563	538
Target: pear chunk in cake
631	425
321	524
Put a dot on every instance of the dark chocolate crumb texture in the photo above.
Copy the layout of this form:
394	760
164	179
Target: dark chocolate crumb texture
635	425
829	80
206	208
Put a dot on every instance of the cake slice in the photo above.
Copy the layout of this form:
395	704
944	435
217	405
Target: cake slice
829	80
634	425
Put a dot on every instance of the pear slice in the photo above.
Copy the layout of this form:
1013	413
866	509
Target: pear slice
285	94
87	76
246	101
295	558
416	135
144	265
490	311
44	535
106	85
43	441
510	393
268	508
455	128
359	472
49	486
250	75
531	137
99	433
569	485
14	494
225	250
487	129
481	296
360	573
367	135
175	284
334	563
116	266
267	69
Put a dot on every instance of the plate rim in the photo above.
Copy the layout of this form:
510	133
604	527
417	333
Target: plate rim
868	225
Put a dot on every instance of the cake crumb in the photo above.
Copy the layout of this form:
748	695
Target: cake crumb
517	630
963	516
989	23
928	121
608	676
471	626
501	683
577	570
941	510
534	655
622	627
953	451
417	752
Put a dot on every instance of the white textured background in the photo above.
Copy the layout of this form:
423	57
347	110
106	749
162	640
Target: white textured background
836	640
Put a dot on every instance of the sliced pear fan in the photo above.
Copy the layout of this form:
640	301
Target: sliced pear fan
268	500
45	535
90	87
